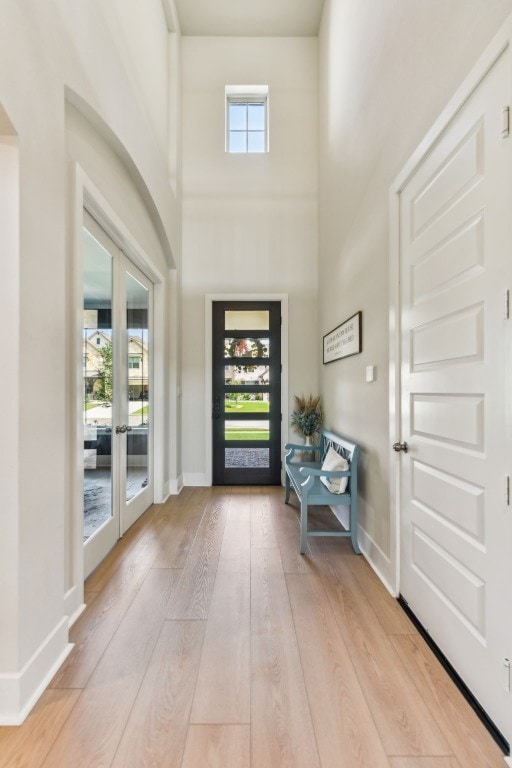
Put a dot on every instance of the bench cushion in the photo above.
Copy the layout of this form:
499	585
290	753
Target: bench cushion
333	461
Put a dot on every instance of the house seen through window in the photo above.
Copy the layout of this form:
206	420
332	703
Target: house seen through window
247	119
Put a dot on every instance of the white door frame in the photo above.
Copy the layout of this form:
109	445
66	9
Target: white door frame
492	53
87	195
208	301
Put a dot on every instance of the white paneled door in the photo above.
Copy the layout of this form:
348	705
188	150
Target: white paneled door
455	271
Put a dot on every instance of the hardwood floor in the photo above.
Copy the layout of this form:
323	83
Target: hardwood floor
208	641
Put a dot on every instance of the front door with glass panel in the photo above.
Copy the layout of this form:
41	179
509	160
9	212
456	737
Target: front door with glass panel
246	397
115	393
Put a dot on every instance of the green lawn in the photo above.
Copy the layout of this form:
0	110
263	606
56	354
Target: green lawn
247	433
141	412
247	406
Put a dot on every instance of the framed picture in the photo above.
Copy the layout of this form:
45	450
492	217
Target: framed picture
345	340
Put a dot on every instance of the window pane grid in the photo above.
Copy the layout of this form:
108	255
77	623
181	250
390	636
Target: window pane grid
247	126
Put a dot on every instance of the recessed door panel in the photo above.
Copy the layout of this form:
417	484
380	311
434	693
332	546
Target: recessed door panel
456	525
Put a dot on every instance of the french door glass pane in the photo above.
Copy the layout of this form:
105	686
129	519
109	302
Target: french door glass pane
97	381
137	357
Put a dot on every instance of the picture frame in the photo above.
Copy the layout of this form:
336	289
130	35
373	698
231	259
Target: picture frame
345	340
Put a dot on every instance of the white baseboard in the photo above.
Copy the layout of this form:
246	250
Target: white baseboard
508	760
375	556
76	615
175	486
20	691
380	563
74	604
196	479
165	493
343	515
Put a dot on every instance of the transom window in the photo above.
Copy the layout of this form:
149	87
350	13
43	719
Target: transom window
247	119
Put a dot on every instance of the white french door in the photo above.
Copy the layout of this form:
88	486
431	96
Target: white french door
455	271
115	393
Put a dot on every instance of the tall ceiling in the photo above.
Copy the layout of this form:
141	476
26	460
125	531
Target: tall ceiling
252	18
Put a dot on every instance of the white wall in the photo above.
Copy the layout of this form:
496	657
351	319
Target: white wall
249	221
139	30
386	71
48	50
9	309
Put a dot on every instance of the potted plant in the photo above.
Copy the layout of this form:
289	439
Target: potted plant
307	418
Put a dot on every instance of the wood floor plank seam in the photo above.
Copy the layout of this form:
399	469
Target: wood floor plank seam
302	671
10	757
464	734
394	727
205	510
71	659
220	722
282	727
335	677
193	600
51	745
92	733
137	737
378	756
129	713
124	547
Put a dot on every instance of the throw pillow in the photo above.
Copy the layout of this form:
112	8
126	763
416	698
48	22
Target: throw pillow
333	461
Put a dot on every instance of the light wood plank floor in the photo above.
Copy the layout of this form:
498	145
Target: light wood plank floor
209	641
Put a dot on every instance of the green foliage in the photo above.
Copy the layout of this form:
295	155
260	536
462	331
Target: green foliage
246	348
308	417
104	391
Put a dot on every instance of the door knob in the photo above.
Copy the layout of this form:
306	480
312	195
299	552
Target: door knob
123	429
400	447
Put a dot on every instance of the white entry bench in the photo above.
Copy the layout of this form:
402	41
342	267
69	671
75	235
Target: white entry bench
323	482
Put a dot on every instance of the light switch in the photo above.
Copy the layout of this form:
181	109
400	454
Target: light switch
370	373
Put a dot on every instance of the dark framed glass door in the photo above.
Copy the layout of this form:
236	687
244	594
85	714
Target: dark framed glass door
246	397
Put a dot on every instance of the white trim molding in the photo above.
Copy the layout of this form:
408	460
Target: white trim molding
86	195
174	487
197	479
20	691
